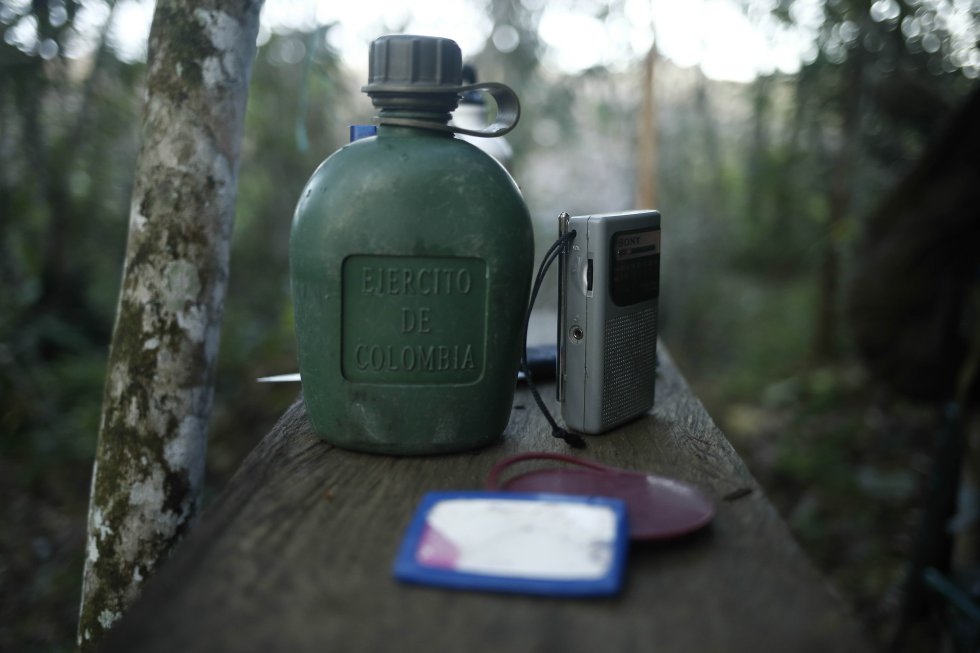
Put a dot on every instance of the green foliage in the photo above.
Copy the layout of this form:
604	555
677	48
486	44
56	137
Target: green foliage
59	284
511	55
749	182
67	145
845	467
272	174
295	81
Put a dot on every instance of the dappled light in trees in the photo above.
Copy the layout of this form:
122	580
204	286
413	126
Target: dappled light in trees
767	189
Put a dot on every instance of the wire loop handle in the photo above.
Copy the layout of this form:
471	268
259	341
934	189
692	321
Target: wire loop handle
508	113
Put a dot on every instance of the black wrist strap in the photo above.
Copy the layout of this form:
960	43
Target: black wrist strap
557	249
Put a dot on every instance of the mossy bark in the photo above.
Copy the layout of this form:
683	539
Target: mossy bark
152	439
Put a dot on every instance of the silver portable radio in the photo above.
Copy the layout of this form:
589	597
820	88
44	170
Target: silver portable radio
609	284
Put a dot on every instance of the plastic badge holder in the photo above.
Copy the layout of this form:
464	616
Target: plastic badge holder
658	507
513	542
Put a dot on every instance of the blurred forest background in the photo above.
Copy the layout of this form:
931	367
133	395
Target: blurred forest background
766	189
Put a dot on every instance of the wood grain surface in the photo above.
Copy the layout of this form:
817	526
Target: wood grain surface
296	555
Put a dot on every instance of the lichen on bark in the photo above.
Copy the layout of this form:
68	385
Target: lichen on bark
149	464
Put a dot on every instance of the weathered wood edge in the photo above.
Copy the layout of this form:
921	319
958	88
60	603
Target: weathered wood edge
690	447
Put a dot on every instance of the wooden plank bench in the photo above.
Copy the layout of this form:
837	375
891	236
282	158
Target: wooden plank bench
296	555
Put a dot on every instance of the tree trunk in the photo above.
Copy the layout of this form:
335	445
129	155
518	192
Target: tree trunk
646	151
149	462
760	186
712	182
839	200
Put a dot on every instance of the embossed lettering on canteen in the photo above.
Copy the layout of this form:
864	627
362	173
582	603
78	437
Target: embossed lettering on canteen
414	319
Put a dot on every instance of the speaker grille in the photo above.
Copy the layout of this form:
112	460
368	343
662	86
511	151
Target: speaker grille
631	366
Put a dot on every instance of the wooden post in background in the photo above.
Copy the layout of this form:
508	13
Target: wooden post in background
645	196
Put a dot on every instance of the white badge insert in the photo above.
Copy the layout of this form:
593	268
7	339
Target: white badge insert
516	542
